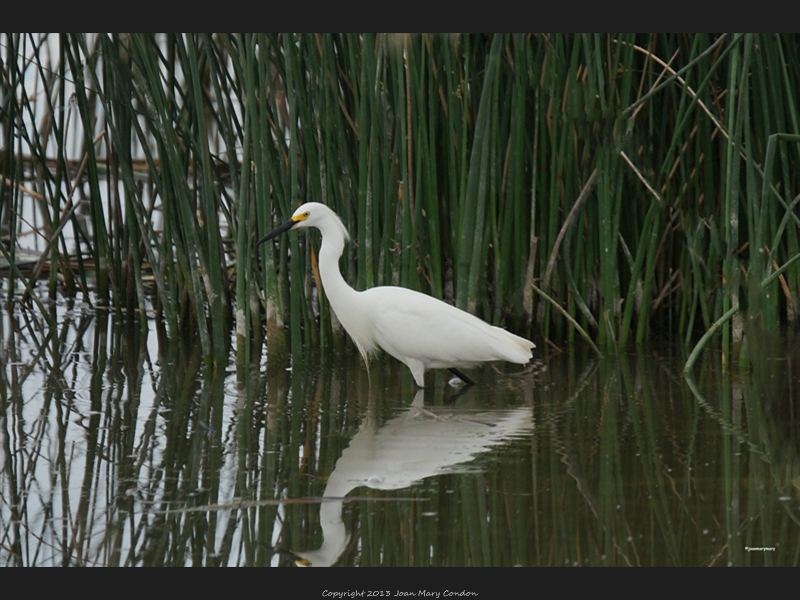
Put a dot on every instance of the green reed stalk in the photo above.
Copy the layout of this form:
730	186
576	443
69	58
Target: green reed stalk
297	290
243	237
735	120
180	207
456	162
209	244
470	259
75	47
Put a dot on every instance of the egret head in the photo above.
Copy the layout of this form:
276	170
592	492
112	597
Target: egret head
311	214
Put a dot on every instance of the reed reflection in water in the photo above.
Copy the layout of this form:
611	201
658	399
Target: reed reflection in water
117	448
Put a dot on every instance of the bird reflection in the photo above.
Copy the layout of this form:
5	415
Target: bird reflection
416	444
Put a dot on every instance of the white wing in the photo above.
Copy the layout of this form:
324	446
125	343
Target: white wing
408	324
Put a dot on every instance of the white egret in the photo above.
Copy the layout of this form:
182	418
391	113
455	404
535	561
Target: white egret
418	330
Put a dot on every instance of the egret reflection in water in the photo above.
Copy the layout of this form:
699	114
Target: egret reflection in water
416	444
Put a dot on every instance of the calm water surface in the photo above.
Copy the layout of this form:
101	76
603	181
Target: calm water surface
118	448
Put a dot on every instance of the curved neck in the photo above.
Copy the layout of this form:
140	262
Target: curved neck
336	288
345	301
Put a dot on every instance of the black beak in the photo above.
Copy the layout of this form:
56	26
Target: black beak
277	231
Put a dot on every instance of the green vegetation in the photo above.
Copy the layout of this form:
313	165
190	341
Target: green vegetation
646	183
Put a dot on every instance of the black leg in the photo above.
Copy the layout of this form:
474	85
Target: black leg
461	376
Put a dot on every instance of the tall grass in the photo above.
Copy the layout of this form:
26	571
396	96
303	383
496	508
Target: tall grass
647	184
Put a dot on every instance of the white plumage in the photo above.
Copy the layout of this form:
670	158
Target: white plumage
418	330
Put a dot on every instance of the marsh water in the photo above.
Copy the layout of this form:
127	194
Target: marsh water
118	448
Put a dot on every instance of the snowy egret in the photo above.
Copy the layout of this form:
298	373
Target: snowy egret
418	330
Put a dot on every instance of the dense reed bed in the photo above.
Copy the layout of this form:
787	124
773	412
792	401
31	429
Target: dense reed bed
613	186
